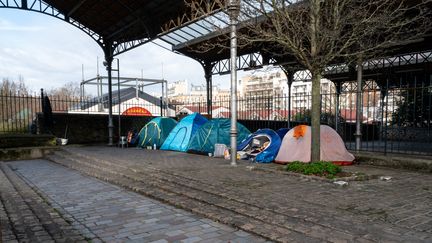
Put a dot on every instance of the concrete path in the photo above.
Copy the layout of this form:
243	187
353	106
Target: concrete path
102	211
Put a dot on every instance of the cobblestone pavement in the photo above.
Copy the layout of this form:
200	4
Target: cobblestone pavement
279	207
102	211
26	217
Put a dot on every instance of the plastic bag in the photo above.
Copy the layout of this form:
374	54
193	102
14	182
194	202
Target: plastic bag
219	151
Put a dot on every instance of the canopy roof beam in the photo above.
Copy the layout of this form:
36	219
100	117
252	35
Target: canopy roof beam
41	6
74	9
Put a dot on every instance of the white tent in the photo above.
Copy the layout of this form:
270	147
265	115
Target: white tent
296	146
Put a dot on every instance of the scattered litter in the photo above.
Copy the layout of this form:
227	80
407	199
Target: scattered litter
341	183
219	150
61	141
250	167
226	154
385	178
242	155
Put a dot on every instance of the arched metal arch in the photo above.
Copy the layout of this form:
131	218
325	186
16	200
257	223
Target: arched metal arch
40	6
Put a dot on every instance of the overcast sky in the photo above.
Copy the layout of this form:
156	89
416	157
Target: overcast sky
48	53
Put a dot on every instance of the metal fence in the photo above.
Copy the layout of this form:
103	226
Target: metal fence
394	119
17	112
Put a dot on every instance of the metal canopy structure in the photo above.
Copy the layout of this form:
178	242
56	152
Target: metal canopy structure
216	60
121	25
386	69
116	25
257	55
189	40
125	82
253	55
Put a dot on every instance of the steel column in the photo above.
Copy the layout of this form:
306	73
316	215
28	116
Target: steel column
338	86
233	10
359	106
108	64
386	115
166	99
119	98
290	79
289	73
209	82
162	99
383	85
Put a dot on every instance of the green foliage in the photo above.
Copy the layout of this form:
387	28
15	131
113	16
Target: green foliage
322	168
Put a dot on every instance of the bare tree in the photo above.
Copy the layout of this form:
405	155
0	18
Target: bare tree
70	90
15	108
11	87
317	33
64	97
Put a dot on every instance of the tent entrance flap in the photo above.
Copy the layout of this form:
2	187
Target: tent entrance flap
257	145
263	145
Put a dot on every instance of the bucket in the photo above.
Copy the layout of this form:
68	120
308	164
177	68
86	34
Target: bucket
62	141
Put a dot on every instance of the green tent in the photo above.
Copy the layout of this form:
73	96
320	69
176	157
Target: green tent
155	132
213	132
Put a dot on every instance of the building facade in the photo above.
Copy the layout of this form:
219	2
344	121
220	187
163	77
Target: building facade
256	87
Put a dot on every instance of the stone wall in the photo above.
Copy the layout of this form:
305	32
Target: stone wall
89	128
25	140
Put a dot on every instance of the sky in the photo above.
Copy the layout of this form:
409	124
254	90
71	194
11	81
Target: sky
49	53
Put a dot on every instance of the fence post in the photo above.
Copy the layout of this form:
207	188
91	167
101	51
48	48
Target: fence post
338	86
430	107
359	106
268	107
41	100
161	106
386	119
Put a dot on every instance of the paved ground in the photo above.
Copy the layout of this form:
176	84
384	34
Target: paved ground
272	205
276	206
25	216
101	211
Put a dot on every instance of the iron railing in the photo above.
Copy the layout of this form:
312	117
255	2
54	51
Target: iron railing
394	119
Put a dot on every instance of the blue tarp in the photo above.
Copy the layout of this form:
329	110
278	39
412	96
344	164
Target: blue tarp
269	153
213	132
180	136
282	132
156	131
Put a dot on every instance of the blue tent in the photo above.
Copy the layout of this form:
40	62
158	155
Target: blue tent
213	132
156	131
255	142
180	136
282	131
